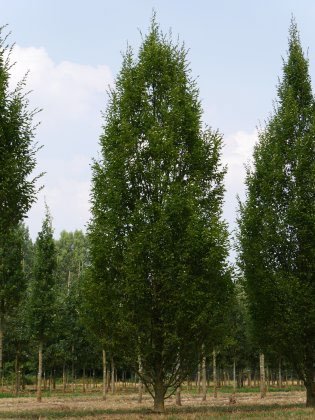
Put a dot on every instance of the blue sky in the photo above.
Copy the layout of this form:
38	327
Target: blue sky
73	51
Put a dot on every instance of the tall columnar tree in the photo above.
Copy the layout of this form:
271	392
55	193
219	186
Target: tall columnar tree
277	223
17	162
41	307
14	270
158	242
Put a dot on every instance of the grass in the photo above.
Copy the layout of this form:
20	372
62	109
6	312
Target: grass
173	413
245	390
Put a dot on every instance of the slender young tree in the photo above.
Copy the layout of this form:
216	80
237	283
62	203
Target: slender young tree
17	162
41	310
158	242
277	223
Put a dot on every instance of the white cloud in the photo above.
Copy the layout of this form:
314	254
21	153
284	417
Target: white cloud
67	89
67	189
71	96
237	152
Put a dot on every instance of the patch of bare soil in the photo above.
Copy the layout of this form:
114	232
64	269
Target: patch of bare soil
127	406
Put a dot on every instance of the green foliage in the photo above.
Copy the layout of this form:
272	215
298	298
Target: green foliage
277	221
17	150
19	270
17	187
159	279
12	274
41	311
71	345
72	257
239	345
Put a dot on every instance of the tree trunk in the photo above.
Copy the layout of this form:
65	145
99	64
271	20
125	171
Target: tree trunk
309	383
215	394
64	378
74	377
234	376
140	387
22	382
72	369
113	375
198	379
279	375
40	371
17	375
104	375
310	394
1	350
178	396
204	378
50	380
262	375
159	396
69	281
240	379
108	379
84	380
267	378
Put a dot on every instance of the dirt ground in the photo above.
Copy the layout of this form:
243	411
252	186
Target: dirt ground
126	405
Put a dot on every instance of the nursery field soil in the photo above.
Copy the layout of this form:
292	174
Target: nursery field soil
124	405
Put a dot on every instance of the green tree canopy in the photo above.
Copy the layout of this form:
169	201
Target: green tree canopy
159	276
277	222
17	187
17	149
